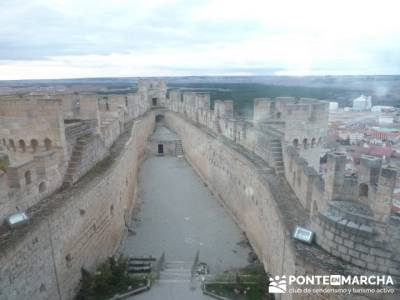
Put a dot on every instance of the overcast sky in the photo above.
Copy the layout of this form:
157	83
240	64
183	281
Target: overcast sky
96	38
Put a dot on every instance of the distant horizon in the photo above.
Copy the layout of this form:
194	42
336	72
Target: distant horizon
198	76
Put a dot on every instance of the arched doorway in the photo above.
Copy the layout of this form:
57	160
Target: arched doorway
363	192
159	118
160	149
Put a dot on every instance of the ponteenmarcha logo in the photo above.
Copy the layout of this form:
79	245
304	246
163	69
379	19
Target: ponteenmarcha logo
277	285
280	284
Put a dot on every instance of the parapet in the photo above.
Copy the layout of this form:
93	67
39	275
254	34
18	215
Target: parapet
336	157
290	109
369	169
223	108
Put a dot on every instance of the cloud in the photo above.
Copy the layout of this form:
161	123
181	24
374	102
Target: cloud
60	38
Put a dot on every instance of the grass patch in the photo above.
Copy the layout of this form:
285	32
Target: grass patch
110	278
250	291
3	166
249	283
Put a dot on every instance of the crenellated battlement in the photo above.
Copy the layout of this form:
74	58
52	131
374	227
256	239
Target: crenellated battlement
346	212
51	140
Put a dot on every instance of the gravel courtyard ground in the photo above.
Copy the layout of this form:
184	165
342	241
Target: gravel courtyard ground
178	215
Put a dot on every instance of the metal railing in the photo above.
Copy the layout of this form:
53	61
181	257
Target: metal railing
194	270
160	266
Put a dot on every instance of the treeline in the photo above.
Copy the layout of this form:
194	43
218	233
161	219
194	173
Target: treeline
243	93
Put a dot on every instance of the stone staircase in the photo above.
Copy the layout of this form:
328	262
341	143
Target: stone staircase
105	123
277	158
176	272
78	152
139	265
179	149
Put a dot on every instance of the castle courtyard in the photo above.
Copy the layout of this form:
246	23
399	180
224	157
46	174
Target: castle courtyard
179	215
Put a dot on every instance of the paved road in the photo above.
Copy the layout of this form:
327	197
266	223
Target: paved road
179	215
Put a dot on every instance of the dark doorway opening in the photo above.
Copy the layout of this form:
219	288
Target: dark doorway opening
363	190
159	118
154	101
160	149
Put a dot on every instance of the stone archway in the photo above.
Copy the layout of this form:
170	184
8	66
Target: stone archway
363	192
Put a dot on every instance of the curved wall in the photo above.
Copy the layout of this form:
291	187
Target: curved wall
77	228
241	187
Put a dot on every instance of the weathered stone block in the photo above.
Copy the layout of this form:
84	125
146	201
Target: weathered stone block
329	235
372	266
368	258
348	243
382	268
344	234
359	262
343	249
362	248
380	260
380	252
394	271
354	253
338	239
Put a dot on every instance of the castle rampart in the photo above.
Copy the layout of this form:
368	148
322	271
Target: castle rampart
364	214
74	229
259	201
265	171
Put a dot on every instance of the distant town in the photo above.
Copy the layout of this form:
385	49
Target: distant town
365	129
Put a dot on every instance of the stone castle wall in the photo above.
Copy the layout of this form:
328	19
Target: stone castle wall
305	182
42	116
345	227
243	190
267	208
78	229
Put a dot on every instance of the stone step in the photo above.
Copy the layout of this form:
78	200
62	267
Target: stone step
70	172
66	184
78	131
76	151
74	164
68	178
173	280
76	157
176	272
85	137
178	262
83	143
276	154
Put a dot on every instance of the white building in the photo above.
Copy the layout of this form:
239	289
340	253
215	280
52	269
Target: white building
385	120
362	103
333	106
382	108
